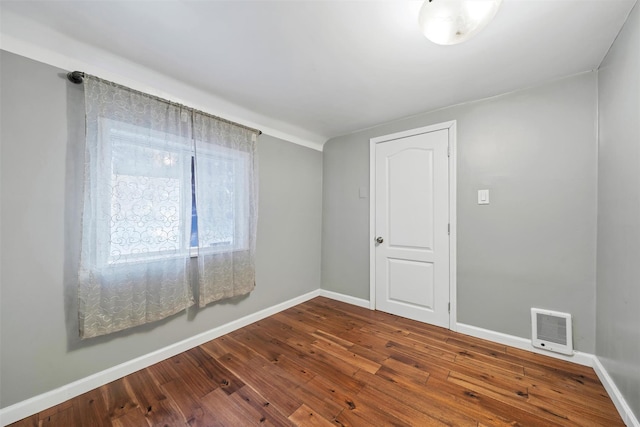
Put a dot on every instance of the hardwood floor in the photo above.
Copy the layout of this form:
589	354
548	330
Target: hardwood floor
326	363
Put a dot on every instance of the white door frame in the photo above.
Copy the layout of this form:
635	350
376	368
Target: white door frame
451	127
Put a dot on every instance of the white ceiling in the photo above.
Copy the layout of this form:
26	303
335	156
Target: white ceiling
325	68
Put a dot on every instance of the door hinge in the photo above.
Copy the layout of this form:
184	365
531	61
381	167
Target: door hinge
449	308
449	229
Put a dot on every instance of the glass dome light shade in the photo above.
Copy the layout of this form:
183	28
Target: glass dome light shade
447	22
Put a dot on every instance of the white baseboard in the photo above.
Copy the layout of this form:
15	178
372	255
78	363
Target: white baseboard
345	298
616	396
28	407
585	359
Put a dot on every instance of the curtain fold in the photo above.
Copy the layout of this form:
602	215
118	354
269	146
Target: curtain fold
227	206
134	263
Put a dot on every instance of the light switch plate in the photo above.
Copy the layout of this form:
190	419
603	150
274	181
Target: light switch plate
483	197
363	192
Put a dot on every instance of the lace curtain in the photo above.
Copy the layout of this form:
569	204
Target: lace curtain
226	195
136	220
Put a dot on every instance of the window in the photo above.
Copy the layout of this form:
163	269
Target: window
163	183
147	196
225	226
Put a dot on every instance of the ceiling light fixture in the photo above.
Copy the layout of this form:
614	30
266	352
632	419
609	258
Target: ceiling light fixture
448	22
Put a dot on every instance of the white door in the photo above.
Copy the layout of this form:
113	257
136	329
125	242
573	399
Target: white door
412	227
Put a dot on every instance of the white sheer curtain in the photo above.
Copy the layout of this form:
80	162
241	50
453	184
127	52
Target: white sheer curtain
227	205
134	265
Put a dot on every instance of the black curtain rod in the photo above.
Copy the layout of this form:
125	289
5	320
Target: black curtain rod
77	77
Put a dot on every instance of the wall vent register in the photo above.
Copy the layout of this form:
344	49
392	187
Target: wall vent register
551	330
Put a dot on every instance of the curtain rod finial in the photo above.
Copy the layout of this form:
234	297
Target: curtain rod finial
75	77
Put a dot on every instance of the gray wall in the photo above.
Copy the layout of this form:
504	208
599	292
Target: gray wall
41	121
533	246
618	284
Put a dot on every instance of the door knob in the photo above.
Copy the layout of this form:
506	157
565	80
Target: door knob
379	240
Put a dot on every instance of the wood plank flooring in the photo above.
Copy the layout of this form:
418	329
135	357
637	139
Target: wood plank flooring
326	363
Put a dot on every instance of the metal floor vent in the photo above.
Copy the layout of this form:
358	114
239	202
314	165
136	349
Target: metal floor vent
551	330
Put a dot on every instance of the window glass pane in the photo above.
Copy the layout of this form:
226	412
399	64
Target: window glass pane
222	199
146	198
194	210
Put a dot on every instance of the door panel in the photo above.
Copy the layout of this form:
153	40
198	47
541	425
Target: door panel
412	211
410	218
417	279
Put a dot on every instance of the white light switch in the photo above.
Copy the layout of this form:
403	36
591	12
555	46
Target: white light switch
363	192
483	197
